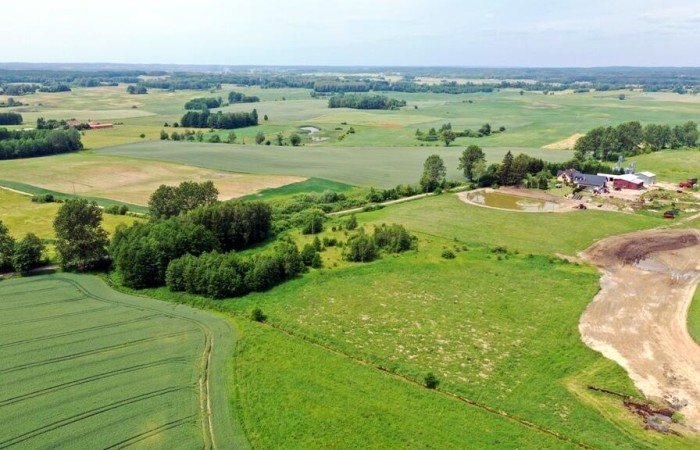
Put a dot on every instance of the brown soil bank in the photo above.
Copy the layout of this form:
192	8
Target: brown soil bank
638	319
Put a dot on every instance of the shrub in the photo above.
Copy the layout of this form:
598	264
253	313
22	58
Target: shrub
257	315
351	224
448	254
431	381
360	248
393	238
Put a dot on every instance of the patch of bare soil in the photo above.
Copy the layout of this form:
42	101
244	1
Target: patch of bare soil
638	318
564	144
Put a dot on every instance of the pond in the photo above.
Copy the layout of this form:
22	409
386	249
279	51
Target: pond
514	202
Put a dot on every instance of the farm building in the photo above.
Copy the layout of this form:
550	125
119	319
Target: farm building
648	178
628	181
97	125
581	179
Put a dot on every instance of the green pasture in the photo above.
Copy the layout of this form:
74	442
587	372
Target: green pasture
670	165
87	367
381	167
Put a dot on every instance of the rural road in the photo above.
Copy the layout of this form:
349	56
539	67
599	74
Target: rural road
638	318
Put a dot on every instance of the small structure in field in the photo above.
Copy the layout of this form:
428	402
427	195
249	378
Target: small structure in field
628	181
648	178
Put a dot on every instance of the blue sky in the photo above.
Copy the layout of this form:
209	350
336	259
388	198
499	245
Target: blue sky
554	33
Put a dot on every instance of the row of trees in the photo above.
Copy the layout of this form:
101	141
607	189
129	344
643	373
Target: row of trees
225	121
22	255
200	103
10	118
31	143
448	135
631	138
238	97
10	102
364	102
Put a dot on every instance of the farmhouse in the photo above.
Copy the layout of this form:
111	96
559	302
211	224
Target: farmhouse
582	179
628	181
648	178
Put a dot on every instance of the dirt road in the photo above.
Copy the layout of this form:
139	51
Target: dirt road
638	319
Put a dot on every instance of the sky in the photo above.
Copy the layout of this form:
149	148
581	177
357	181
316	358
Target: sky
494	33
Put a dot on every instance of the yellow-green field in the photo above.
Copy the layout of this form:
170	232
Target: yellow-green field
127	179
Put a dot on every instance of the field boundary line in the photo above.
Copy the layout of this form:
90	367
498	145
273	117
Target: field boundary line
405	379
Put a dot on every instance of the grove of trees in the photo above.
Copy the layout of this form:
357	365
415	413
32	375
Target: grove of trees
631	138
226	121
364	102
200	103
26	144
170	201
19	256
237	97
10	118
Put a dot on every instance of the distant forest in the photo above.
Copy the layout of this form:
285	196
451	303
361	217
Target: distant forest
47	77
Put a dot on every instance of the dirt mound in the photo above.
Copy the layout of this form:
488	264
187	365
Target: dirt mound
631	249
638	318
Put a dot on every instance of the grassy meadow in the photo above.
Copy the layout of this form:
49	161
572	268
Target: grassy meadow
80	358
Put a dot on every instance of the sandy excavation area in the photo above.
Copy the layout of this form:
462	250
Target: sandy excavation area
638	319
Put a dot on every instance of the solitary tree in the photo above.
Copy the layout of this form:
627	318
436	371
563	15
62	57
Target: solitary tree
232	137
505	172
7	247
81	242
434	172
448	136
280	139
295	140
259	138
470	156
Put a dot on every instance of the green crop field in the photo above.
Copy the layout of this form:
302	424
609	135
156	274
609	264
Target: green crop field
670	165
87	367
372	166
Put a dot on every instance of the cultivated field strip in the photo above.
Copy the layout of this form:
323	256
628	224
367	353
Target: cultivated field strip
87	367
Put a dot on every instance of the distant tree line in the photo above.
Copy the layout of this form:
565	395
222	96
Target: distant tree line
200	103
31	143
237	97
18	89
364	102
631	138
10	118
220	120
55	87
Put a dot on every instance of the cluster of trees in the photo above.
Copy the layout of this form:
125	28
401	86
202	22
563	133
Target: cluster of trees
141	253
19	89
238	97
226	121
55	87
364	102
220	275
10	103
630	138
11	118
200	103
22	255
139	89
362	247
448	135
26	144
171	201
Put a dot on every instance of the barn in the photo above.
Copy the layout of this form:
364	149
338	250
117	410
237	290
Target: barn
648	178
628	182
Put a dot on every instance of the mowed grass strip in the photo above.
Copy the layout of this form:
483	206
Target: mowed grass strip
86	366
381	167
